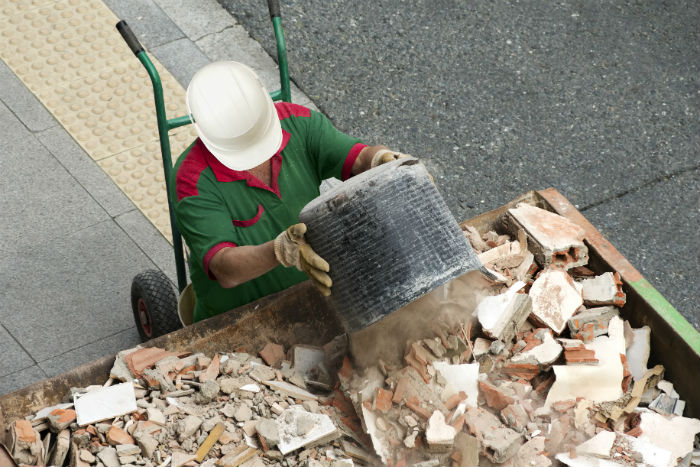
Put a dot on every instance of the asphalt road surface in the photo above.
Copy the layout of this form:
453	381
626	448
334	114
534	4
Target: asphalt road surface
597	99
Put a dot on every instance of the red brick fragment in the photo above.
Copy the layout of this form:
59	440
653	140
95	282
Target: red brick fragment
636	432
272	354
345	372
212	371
455	399
400	389
458	424
145	358
564	406
63	415
25	431
414	404
579	355
495	398
382	400
116	435
526	371
626	375
542	382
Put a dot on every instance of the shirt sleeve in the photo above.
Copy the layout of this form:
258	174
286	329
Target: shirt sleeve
333	150
206	226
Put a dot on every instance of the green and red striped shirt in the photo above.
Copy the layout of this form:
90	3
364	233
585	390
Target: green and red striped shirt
217	207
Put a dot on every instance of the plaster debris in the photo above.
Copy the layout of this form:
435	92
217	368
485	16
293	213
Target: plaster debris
321	429
591	323
501	316
555	299
544	354
439	435
605	289
553	239
638	352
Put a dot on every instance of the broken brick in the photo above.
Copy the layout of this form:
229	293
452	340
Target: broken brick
400	389
116	436
212	371
272	354
382	400
495	398
414	404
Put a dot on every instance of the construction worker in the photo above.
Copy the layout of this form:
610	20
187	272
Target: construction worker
239	188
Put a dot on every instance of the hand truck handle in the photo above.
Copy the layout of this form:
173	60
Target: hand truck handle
274	7
129	37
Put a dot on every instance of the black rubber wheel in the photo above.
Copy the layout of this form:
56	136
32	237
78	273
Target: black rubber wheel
154	304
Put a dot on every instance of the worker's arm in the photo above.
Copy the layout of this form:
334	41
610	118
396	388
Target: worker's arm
233	266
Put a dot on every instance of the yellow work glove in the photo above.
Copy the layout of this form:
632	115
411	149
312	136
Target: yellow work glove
291	249
385	155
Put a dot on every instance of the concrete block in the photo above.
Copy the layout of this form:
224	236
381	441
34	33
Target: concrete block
555	299
498	442
182	58
553	239
22	102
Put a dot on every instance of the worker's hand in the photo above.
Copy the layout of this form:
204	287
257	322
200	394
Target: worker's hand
291	249
385	155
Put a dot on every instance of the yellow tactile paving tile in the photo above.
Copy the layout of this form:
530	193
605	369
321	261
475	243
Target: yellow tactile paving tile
69	54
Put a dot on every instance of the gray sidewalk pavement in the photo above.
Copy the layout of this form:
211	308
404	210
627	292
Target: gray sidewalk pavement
70	240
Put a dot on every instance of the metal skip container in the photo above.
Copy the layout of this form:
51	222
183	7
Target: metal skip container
389	239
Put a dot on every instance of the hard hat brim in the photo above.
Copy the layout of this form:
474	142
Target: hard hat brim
254	154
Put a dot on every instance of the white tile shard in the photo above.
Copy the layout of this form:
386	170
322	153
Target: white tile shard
463	377
638	352
105	403
675	434
501	316
322	429
555	299
596	383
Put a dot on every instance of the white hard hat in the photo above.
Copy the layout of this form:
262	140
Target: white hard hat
234	115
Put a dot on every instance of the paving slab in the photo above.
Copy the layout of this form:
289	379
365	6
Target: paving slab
23	103
182	58
21	379
660	239
33	214
78	281
14	358
86	172
197	18
109	345
150	24
142	232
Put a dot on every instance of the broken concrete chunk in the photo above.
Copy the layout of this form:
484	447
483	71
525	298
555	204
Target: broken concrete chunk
544	354
467	447
555	299
481	347
109	457
180	458
323	430
105	403
498	442
501	316
268	431
439	435
60	419
530	454
60	450
591	323
553	239
26	446
188	427
605	289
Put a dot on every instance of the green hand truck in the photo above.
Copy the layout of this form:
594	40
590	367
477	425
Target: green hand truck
157	309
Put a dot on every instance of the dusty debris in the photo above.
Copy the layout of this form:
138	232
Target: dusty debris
553	239
555	299
525	376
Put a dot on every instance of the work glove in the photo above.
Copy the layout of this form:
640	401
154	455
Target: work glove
291	249
386	155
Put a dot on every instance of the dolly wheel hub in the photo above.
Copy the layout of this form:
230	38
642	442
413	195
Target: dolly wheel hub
144	317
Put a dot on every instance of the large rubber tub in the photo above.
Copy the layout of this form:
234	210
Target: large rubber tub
389	238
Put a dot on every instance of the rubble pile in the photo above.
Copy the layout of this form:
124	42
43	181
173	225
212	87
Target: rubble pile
544	372
173	409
